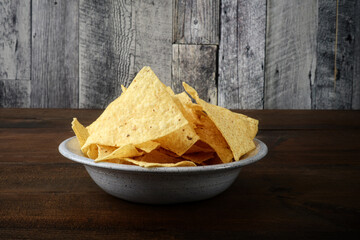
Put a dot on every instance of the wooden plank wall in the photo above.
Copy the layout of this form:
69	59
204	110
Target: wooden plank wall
245	54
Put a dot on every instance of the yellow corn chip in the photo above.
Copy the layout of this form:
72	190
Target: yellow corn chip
232	127
151	165
159	156
144	112
198	157
126	151
187	108
147	146
80	131
123	88
209	134
252	126
200	148
91	151
104	151
180	140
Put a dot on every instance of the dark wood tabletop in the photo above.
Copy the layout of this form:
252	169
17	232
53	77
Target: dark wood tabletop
308	186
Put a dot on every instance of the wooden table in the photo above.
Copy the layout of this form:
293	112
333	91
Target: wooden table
307	186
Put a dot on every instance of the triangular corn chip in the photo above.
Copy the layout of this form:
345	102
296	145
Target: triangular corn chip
231	126
145	111
126	151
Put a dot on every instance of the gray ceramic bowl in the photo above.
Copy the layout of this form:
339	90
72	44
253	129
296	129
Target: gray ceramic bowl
161	185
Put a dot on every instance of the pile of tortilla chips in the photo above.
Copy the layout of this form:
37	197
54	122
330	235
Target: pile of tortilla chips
150	126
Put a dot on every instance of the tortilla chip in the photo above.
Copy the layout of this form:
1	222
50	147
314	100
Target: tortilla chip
80	131
180	140
252	125
198	157
147	146
187	108
92	151
170	91
209	134
232	127
126	151
159	156
123	88
104	151
199	148
144	112
152	165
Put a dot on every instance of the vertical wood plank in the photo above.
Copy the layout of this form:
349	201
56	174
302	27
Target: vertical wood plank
107	48
356	76
328	94
290	53
15	53
242	54
251	53
228	87
195	65
14	93
54	72
153	37
117	39
15	32
196	22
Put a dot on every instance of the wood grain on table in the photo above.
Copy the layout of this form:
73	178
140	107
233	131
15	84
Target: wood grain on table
308	186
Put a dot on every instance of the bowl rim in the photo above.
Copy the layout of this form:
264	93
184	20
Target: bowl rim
66	152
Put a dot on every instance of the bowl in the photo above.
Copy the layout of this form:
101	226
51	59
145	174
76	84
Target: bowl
161	185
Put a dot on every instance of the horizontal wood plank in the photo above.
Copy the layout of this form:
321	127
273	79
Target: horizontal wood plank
15	93
308	184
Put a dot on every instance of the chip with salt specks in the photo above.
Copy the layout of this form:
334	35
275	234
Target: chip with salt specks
230	124
180	140
104	151
149	125
144	112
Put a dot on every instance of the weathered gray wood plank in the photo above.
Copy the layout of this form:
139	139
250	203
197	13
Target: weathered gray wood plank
107	48
195	65
327	93
242	54
15	32
196	22
153	37
14	93
356	76
228	90
290	53
54	72
117	39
